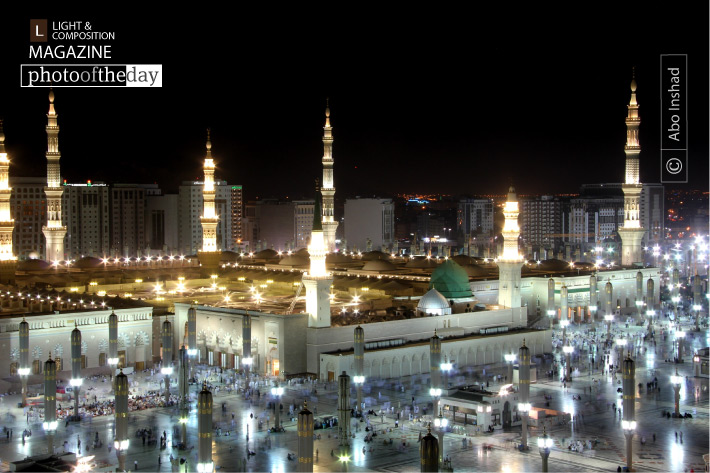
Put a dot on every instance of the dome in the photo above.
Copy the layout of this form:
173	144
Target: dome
421	262
33	265
375	255
379	265
88	262
266	254
434	302
451	280
477	271
294	261
229	256
463	260
583	265
553	265
337	258
303	252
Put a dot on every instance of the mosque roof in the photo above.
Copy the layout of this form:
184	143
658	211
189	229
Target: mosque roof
432	300
375	255
379	265
294	261
268	253
33	265
88	262
553	265
451	280
421	262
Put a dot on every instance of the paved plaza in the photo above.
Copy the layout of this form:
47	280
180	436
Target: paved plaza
656	447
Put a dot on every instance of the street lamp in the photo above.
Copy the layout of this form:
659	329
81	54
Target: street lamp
696	361
441	423
609	318
564	324
676	382
446	367
544	443
510	359
568	353
680	336
277	392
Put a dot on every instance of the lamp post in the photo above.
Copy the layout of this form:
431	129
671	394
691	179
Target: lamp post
551	299
113	346
676	382
568	350
204	424
192	334
510	359
544	444
246	348
359	349
435	369
167	368
440	423
429	452
620	344
696	361
564	304
277	392
76	380
183	387
446	366
697	308
564	323
24	369
680	337
305	439
593	295
121	401
524	389
50	402
650	313
609	319
629	399
344	411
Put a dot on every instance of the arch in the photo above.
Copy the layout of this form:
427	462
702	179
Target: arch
487	355
367	367
396	368
406	368
471	357
416	367
58	351
375	368
329	368
385	370
123	341
141	339
103	345
37	353
497	354
461	360
425	367
84	347
15	354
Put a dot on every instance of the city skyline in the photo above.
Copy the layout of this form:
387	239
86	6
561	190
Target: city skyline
432	117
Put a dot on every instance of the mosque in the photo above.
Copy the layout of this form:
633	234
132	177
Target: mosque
480	309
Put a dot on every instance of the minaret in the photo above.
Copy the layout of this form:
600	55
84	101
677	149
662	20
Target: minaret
632	233
209	256
510	263
54	231
7	224
317	281
328	190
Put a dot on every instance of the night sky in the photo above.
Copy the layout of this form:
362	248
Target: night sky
439	101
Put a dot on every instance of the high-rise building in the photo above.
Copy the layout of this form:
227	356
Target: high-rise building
541	223
190	209
632	232
475	217
28	205
283	225
127	220
330	225
161	221
237	215
369	219
54	232
87	219
653	213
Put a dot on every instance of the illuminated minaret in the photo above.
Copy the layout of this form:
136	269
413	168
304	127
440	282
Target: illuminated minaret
317	281
7	224
209	256
510	263
54	231
632	233
328	190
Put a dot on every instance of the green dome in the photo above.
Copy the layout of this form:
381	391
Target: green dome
451	280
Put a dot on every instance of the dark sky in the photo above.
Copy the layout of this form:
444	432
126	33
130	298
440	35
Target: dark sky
440	101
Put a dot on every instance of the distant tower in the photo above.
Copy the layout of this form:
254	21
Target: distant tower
510	263
7	224
54	231
209	256
328	190
317	281
632	233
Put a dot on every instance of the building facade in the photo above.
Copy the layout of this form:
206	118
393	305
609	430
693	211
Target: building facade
127	220
190	208
237	215
28	207
161	222
87	219
475	217
369	219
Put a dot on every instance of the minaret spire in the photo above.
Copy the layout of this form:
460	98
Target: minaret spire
631	233
54	231
209	217
510	263
7	224
317	281
328	190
